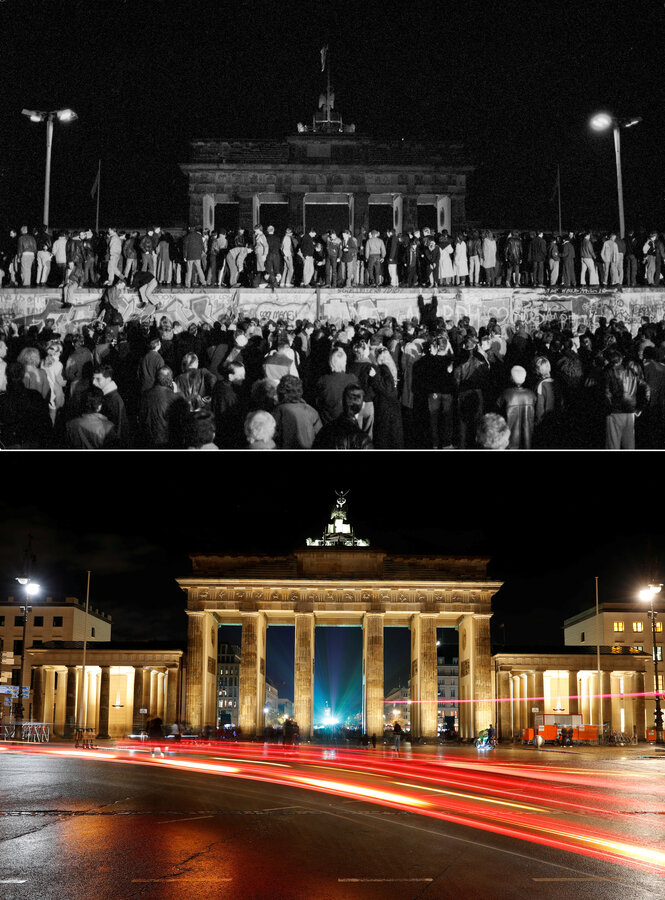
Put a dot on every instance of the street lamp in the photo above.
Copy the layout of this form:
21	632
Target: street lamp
601	122
31	590
38	115
648	594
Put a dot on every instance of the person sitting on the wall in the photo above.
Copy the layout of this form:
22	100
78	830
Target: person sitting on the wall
146	284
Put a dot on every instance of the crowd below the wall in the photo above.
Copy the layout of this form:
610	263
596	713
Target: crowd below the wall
263	258
425	383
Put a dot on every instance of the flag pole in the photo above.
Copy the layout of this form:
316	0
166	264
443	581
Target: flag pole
558	182
99	184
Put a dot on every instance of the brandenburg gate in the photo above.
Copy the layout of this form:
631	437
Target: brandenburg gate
338	580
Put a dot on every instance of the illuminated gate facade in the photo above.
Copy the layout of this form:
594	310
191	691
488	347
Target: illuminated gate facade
338	580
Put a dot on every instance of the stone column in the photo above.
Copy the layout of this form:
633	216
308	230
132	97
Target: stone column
361	210
92	709
482	675
504	727
424	706
171	695
525	704
296	210
303	675
606	704
70	702
252	679
373	696
153	709
104	703
517	705
640	705
37	712
195	673
246	211
137	718
573	691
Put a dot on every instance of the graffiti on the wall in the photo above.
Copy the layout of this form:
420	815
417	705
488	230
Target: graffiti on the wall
534	307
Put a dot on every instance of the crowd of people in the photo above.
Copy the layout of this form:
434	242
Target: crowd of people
265	259
241	383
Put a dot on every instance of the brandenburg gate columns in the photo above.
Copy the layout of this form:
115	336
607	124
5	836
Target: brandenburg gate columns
373	696
201	698
424	682
475	674
252	680
303	674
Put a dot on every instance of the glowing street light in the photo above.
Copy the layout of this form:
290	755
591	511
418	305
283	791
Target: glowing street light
601	122
49	116
31	590
648	595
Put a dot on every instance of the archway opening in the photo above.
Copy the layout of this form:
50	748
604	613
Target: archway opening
337	682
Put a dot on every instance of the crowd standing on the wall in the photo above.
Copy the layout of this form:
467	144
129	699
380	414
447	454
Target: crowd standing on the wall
262	258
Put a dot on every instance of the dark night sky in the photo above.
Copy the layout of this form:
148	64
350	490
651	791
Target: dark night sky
517	81
549	522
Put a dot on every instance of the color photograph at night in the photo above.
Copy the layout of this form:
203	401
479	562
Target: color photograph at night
256	226
263	691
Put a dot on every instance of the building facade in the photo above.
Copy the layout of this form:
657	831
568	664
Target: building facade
570	681
448	690
339	580
624	626
229	676
121	687
327	176
48	620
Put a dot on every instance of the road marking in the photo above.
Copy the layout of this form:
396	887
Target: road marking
186	819
617	880
207	879
13	880
376	880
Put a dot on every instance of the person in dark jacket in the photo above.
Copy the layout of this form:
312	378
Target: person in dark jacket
25	423
387	433
344	432
568	278
626	396
230	407
471	374
155	413
434	394
537	257
192	250
517	405
298	423
330	387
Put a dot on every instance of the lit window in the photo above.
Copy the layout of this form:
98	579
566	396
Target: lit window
659	626
638	626
658	687
638	647
659	653
618	626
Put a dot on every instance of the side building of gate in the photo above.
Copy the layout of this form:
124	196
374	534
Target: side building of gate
340	585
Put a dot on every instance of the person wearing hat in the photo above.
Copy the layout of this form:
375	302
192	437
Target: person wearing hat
472	379
517	405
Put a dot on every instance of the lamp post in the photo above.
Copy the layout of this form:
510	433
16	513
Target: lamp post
648	594
601	122
31	589
38	115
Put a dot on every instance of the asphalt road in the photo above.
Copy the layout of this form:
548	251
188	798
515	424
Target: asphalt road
91	828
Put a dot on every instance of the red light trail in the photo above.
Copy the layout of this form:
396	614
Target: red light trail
549	805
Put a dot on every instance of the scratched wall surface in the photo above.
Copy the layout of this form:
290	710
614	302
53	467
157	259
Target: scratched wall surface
531	306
